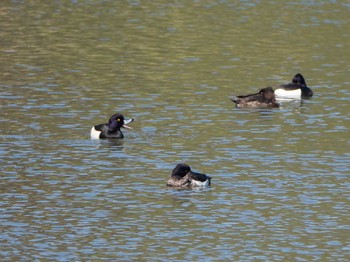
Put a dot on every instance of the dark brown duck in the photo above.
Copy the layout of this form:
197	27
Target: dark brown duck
182	176
264	98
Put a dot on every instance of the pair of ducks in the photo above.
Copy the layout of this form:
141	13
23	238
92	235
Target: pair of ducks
266	97
182	176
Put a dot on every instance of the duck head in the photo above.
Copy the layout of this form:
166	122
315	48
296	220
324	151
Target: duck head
117	121
267	93
181	170
299	80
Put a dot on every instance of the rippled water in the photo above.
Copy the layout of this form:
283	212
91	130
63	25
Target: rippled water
280	188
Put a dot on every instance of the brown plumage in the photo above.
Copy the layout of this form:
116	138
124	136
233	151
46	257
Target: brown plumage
264	98
182	176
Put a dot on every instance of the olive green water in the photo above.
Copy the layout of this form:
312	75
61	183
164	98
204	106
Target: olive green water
280	177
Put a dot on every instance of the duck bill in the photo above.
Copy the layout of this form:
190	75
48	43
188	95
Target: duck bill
126	122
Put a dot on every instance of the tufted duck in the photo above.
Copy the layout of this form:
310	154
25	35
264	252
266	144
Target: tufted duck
182	176
264	98
296	89
112	128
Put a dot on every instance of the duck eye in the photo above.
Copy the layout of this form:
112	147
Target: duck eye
118	119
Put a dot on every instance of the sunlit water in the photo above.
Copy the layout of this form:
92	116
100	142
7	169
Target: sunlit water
280	188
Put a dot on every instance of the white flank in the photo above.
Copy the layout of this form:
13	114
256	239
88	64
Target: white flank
94	133
281	93
200	184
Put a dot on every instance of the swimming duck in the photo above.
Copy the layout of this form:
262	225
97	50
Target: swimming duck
296	89
112	128
264	98
183	176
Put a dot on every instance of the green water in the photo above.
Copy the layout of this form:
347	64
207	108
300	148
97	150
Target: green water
280	177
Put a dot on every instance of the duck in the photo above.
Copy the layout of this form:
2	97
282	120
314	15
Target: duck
264	98
183	177
296	89
111	130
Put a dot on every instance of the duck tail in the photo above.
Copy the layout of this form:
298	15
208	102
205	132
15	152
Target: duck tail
235	100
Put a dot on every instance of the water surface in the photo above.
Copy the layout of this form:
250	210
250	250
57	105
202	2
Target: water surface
280	177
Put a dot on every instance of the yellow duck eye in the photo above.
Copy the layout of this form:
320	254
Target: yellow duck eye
118	119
